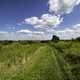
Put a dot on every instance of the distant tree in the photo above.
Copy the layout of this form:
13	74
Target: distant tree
78	38
44	41
55	38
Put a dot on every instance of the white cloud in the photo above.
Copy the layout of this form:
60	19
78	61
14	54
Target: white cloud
77	26
65	34
62	6
32	20
32	35
30	32
69	33
46	20
49	20
3	32
38	32
19	35
24	31
4	35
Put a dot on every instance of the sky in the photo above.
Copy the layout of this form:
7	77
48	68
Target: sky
39	19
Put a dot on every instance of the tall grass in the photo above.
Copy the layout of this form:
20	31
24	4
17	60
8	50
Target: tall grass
40	61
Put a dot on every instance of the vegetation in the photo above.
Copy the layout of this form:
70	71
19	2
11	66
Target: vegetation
55	38
40	60
78	38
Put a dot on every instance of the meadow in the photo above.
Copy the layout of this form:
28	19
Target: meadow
51	60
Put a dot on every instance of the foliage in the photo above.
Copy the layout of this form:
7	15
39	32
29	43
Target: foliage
78	38
55	38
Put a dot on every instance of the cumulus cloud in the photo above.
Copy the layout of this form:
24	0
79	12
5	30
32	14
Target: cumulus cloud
51	20
62	6
46	20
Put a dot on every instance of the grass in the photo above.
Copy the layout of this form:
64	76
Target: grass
40	61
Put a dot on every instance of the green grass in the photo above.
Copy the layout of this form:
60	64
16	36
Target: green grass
40	61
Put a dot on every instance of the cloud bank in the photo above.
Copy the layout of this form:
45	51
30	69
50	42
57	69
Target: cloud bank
25	35
69	33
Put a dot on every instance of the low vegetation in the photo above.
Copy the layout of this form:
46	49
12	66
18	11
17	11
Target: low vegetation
50	60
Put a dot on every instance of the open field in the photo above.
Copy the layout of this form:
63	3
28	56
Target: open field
40	61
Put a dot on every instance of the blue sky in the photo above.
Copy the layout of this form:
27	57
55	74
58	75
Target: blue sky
12	11
17	17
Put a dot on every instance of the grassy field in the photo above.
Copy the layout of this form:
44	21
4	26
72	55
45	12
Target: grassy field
40	61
